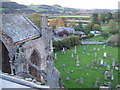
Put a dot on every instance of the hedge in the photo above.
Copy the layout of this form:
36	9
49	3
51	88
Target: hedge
67	42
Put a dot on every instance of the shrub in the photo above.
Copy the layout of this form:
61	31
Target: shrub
105	35
62	33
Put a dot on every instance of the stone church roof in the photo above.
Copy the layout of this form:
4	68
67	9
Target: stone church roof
18	27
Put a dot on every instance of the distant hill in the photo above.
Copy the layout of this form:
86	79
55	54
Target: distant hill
8	6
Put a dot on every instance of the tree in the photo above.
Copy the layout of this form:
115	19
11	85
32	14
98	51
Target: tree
62	33
95	19
112	26
35	18
96	27
79	27
57	22
103	17
109	16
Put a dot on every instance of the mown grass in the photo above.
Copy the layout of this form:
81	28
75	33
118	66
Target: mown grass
84	59
97	38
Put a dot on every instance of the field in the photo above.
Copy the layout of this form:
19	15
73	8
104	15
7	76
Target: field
89	75
77	16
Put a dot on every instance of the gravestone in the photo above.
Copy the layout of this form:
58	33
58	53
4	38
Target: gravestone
55	56
94	49
68	78
111	71
63	50
81	80
108	67
83	52
81	68
88	54
116	68
97	80
105	64
110	55
96	85
109	74
102	71
95	55
72	71
105	75
64	68
64	65
101	62
109	84
105	54
104	46
72	55
95	67
84	49
77	61
113	63
87	65
112	77
91	50
75	50
98	49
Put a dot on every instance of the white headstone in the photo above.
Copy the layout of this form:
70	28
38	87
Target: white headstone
75	50
55	55
105	54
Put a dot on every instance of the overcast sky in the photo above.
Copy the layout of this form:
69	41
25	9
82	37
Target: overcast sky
85	4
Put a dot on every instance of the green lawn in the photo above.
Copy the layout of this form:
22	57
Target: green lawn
97	38
84	59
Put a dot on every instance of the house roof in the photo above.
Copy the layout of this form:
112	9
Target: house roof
18	27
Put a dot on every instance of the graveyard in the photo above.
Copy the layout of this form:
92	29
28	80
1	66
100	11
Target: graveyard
88	66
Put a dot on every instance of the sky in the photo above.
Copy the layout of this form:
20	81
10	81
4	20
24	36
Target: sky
82	4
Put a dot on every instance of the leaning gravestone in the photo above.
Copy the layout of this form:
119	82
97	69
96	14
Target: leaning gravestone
77	61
